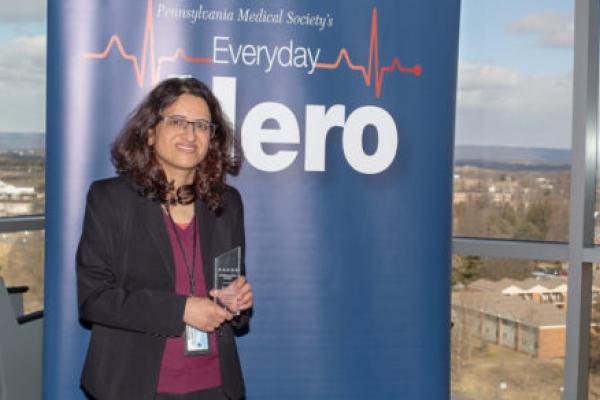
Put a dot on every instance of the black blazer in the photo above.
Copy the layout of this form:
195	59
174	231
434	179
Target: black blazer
126	288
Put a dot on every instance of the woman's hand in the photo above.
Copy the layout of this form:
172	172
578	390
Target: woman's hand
237	296
245	298
202	313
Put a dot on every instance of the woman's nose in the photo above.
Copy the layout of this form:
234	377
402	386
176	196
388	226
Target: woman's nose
190	132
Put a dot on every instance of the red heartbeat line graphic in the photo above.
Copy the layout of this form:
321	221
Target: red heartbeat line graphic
155	65
372	71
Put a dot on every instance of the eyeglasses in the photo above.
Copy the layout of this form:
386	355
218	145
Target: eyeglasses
179	124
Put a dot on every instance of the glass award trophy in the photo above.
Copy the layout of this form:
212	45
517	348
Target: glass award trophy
227	270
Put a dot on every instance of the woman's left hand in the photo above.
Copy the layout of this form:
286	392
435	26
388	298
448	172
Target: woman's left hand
237	296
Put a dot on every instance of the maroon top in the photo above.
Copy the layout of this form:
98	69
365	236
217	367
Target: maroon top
180	373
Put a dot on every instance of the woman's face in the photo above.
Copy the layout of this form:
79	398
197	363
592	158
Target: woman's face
180	146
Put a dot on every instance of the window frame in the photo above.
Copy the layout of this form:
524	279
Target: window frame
22	223
580	250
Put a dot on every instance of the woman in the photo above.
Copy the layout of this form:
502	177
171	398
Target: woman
146	255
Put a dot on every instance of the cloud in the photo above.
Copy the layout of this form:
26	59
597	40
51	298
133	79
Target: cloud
23	10
499	105
551	28
22	84
23	59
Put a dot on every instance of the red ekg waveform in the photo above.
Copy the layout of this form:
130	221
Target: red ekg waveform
372	70
139	66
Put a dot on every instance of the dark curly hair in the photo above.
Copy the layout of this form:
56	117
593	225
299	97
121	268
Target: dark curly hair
132	155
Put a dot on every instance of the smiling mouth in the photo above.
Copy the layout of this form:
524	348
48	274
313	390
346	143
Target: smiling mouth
188	148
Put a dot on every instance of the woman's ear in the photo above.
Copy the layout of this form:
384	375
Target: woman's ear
151	137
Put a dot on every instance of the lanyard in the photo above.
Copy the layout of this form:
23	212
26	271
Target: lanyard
191	270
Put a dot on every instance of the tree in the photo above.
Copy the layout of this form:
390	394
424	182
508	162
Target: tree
537	221
465	269
496	268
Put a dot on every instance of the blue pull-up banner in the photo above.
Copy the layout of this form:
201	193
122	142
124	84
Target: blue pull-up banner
345	113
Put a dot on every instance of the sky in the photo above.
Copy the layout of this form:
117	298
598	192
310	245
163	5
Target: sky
515	73
514	83
22	65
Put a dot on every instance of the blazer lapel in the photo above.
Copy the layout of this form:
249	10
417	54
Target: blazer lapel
155	223
206	223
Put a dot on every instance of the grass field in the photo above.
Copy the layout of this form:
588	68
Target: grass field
493	372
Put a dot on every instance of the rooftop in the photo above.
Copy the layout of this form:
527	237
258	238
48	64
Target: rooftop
512	308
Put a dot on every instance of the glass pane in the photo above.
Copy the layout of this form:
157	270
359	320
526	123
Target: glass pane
597	206
594	383
22	264
513	122
22	178
22	108
508	334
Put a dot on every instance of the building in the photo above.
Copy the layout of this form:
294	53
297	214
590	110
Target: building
527	316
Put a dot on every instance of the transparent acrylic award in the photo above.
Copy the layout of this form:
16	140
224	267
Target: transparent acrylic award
227	270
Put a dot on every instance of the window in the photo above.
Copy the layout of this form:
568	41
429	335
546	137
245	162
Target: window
22	264
522	160
513	121
22	148
504	338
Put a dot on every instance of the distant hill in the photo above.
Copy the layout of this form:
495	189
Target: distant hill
512	158
22	141
496	157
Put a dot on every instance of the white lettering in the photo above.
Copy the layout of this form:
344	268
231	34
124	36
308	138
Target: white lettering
270	57
313	60
287	56
318	122
249	55
254	135
217	49
224	88
161	10
387	139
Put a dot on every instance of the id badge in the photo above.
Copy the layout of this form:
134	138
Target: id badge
196	341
